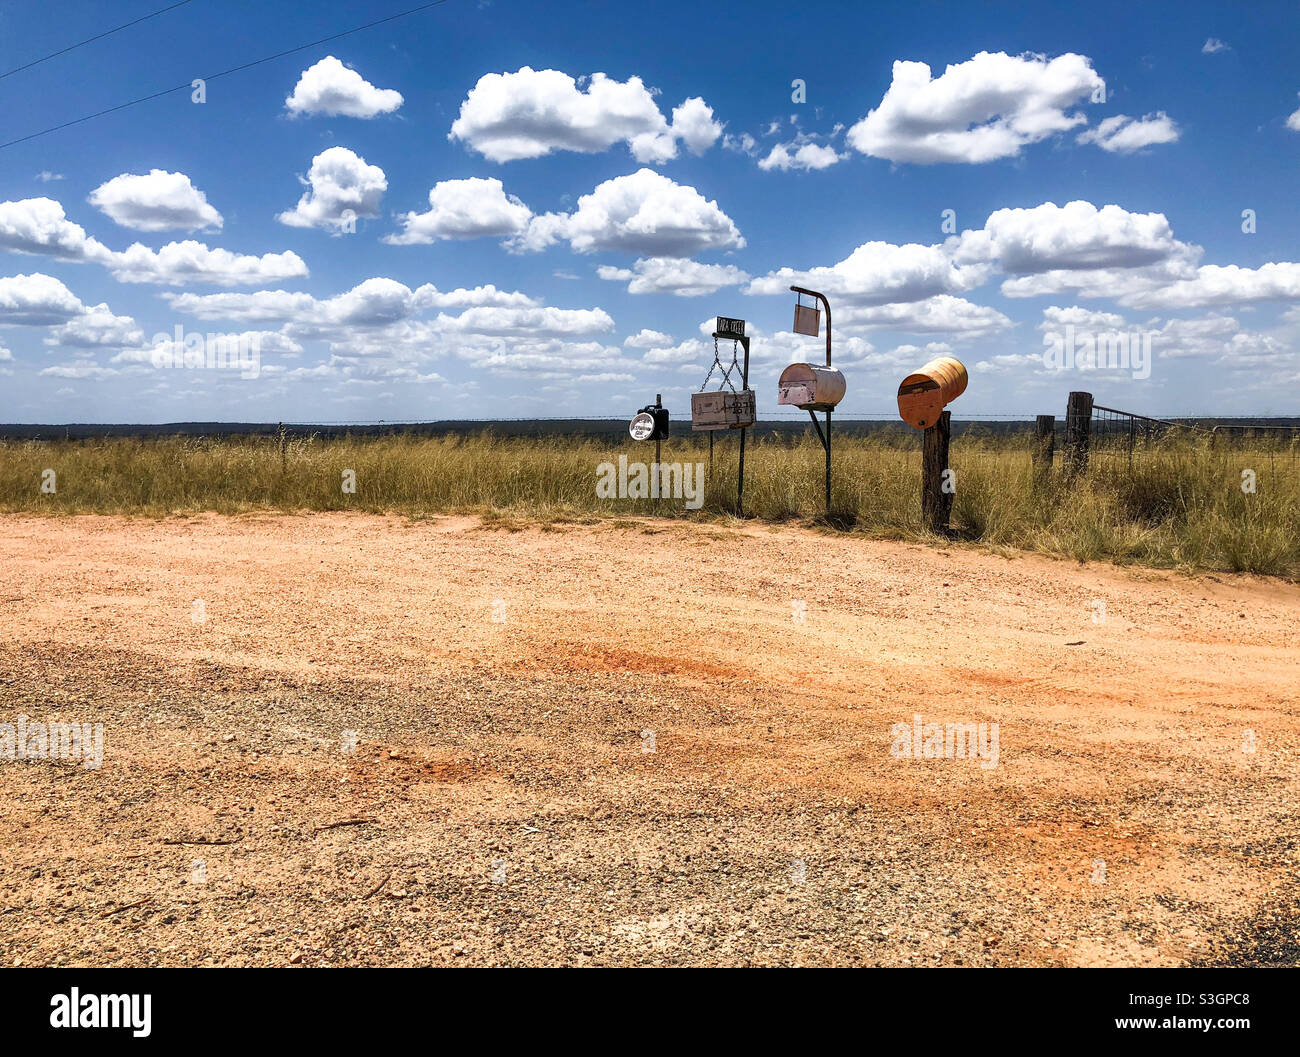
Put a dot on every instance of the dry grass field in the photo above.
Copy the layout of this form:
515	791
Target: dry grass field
1173	505
345	738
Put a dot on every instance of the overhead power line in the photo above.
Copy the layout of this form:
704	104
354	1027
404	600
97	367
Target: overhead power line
91	40
224	73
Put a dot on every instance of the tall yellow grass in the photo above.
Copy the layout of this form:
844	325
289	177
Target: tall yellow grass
1180	504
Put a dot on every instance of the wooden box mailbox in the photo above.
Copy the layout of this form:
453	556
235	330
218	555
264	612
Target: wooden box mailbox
810	387
925	393
722	409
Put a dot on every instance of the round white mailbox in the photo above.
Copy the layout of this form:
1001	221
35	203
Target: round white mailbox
810	387
642	426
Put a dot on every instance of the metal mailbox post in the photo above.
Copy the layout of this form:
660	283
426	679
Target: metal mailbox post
725	407
809	387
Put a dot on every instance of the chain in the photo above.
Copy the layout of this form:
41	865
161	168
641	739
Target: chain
726	371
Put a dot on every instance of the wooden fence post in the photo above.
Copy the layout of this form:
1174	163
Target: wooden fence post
1078	431
936	504
1045	448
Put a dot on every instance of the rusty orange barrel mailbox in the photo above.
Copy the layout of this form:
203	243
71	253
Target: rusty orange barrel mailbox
810	387
925	393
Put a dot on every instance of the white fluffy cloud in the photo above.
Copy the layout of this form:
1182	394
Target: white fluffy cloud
644	213
97	327
674	275
375	301
342	189
36	300
464	209
1122	134
1075	236
1056	317
879	273
1223	285
647	339
528	322
179	263
158	201
941	314
989	107
530	113
331	89
39	226
806	156
1293	122
1213	45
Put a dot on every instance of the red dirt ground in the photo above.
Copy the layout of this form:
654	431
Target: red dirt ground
502	805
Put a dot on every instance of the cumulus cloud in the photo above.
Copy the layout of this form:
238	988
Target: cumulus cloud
1222	285
79	370
879	273
528	322
1213	45
1122	134
178	263
1057	317
342	189
694	125
464	209
39	226
96	327
644	213
36	300
806	156
1293	122
647	339
539	359
986	108
331	89
376	301
1077	235
941	314
674	275
530	113
158	201
690	351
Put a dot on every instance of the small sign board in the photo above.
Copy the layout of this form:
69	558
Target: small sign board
807	320
722	409
730	328
643	426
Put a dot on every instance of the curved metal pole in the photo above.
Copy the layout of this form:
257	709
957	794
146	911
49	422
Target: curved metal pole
826	440
827	306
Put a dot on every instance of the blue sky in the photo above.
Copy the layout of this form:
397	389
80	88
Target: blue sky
509	209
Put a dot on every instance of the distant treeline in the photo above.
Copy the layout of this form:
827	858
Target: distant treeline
549	427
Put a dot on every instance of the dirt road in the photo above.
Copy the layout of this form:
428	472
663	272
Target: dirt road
636	743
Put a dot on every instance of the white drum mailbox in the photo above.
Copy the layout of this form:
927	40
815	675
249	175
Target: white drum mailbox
810	387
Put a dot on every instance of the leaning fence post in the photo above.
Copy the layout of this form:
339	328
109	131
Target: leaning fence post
1045	448
1078	429
936	504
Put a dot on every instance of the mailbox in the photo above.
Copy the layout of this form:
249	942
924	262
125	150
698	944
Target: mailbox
925	393
722	409
810	387
651	423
